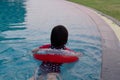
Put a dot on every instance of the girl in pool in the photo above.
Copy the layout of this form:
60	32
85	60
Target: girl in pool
50	70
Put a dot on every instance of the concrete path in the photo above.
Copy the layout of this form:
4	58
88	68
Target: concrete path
82	16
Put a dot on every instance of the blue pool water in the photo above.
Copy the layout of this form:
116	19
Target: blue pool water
26	24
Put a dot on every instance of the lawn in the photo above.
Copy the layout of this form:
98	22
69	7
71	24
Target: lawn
109	7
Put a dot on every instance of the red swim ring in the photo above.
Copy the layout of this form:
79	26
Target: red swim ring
55	58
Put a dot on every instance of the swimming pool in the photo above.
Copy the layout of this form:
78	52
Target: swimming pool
26	24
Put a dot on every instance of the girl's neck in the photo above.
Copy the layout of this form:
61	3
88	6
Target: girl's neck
58	47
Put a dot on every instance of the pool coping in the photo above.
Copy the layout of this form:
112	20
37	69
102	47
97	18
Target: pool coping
110	45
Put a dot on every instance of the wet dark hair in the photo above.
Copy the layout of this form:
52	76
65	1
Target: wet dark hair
59	36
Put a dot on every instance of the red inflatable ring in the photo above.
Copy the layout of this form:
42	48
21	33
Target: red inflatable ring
56	58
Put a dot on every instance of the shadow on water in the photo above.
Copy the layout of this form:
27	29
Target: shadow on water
12	12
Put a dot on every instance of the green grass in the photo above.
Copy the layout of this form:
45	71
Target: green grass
109	7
